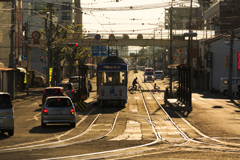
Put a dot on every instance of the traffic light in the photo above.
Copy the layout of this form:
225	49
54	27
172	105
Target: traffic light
73	44
41	58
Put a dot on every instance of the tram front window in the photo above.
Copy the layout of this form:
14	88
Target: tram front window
112	78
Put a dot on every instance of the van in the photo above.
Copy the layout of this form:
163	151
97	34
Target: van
149	74
224	84
6	114
159	74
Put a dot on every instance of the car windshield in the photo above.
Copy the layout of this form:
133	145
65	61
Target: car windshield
158	72
59	102
149	73
5	102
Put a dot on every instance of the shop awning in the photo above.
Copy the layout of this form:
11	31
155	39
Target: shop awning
21	69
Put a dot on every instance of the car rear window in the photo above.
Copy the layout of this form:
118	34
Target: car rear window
53	91
74	80
59	102
5	102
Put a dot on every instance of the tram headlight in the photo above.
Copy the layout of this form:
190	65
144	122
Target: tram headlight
146	77
152	76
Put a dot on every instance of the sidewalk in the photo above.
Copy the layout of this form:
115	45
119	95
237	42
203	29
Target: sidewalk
22	95
173	103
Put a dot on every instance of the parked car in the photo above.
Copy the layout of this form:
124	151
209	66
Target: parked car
69	89
40	81
159	74
52	91
6	114
58	109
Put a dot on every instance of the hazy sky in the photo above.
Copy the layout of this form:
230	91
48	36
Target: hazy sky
117	17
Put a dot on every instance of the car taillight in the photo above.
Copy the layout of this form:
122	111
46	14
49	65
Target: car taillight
60	90
45	111
120	92
72	111
44	91
72	90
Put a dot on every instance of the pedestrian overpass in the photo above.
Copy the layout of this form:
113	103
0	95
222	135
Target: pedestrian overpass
133	42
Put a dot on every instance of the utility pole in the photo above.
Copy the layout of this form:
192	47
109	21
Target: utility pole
170	49
49	40
11	78
230	72
26	53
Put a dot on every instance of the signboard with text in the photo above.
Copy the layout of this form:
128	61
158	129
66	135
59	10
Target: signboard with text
99	50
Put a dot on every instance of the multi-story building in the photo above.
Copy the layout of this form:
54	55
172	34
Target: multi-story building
10	44
36	17
223	16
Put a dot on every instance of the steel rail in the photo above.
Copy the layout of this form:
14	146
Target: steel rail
56	143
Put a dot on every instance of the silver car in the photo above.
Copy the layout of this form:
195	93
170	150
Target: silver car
6	114
58	109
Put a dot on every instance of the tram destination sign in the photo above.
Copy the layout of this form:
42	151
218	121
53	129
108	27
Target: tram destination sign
115	67
111	67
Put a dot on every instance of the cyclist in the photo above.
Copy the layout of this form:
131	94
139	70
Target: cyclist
134	83
156	88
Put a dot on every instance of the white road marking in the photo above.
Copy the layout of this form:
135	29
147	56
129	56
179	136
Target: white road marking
211	99
136	97
133	108
149	98
132	132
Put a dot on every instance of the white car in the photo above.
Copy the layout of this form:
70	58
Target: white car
58	109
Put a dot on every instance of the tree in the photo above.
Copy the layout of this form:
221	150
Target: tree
61	52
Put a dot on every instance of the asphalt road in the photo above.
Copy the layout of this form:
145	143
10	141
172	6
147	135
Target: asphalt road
140	130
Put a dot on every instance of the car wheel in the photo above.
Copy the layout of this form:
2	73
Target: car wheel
11	132
44	125
73	125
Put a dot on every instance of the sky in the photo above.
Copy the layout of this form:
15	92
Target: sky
126	16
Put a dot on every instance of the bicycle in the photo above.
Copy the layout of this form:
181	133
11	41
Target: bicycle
157	89
137	87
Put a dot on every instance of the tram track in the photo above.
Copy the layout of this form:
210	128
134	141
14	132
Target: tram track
124	152
144	149
58	141
184	136
219	142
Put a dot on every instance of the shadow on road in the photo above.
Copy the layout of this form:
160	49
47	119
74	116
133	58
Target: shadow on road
51	128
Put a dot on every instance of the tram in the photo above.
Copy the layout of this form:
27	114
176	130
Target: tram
112	82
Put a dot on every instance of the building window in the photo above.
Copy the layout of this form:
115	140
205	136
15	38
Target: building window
66	5
66	16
